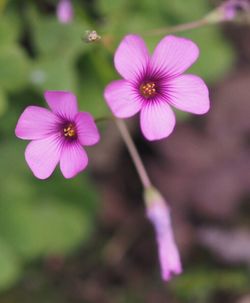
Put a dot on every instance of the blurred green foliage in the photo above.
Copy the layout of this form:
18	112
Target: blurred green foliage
37	53
39	219
201	284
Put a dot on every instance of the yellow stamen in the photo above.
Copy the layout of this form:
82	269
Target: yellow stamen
148	89
69	131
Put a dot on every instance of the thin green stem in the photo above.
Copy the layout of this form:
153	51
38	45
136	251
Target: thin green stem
178	28
133	153
104	118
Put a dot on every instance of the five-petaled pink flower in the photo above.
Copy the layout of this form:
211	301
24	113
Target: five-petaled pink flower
152	83
58	135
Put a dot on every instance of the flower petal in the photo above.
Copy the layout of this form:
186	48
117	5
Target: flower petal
36	123
64	11
159	215
122	99
43	155
173	55
157	120
62	103
73	160
131	57
189	93
87	131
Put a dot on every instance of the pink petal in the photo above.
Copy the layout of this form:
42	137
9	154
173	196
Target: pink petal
36	123
168	255
189	93
87	131
159	215
62	103
157	120
43	155
122	99
73	160
64	11
174	55
131	57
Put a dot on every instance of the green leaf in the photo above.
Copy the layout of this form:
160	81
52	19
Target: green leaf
92	83
47	227
180	11
65	227
10	266
53	74
216	54
200	284
110	7
91	97
41	218
9	30
53	38
3	102
14	68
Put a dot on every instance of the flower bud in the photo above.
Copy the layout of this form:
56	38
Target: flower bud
159	215
64	11
91	36
231	10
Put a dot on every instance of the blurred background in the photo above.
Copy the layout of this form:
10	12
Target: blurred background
87	239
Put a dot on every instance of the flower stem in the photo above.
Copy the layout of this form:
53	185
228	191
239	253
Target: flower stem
178	28
103	118
133	153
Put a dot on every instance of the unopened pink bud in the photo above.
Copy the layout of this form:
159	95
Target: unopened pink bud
65	11
231	10
159	215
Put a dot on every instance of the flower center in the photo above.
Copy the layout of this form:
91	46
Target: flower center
148	89
69	131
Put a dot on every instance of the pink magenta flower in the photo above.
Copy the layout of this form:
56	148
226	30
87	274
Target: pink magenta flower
64	11
159	215
231	8
57	135
152	84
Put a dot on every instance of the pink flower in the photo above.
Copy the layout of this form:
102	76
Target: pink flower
231	8
64	11
159	215
152	83
57	135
